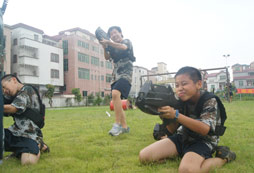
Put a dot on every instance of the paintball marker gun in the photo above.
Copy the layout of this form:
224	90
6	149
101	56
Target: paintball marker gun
100	34
151	97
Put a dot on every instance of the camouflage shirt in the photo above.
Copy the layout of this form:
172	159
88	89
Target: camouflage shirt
210	115
26	98
123	65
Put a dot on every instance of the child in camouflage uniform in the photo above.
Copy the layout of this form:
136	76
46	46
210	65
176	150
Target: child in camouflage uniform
121	52
24	138
193	140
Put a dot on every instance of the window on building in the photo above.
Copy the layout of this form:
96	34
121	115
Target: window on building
91	76
84	93
65	47
95	49
54	57
102	94
102	78
102	51
240	83
66	65
83	57
15	42
250	82
102	64
36	37
83	44
15	59
83	73
222	77
94	60
54	73
109	65
108	78
251	73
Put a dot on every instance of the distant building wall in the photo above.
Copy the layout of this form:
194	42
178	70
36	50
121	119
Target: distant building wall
7	62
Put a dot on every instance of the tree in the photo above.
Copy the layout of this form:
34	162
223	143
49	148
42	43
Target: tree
107	99
98	99
90	98
77	94
50	93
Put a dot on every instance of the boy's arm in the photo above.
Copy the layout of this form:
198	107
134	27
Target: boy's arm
117	45
10	109
114	44
194	125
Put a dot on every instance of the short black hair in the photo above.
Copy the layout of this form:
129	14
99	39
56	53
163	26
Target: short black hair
194	73
9	76
114	27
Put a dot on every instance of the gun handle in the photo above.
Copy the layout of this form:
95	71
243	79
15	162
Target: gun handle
172	127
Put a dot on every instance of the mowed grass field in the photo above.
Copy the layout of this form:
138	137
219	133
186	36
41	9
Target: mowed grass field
79	142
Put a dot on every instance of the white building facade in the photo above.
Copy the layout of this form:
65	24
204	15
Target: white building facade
216	81
36	58
136	80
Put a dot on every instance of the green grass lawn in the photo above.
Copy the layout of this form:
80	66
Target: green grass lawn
79	142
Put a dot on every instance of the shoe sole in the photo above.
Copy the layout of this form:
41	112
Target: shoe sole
115	134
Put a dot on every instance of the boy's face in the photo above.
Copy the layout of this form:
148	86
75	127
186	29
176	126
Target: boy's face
186	89
10	86
116	36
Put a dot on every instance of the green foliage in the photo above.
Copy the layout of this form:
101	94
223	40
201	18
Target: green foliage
98	100
50	93
107	99
76	92
79	142
90	98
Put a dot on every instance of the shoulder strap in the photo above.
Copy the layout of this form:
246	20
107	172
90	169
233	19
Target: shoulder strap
220	129
40	121
36	91
206	96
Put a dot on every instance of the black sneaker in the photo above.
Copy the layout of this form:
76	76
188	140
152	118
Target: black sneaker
224	152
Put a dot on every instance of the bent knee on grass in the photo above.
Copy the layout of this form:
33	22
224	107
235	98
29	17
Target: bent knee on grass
158	151
29	159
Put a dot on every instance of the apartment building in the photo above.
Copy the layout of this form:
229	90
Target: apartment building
136	80
243	75
35	57
161	69
84	64
216	81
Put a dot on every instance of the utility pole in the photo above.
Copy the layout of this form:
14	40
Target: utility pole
2	54
228	90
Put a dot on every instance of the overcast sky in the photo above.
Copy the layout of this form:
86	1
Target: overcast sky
178	32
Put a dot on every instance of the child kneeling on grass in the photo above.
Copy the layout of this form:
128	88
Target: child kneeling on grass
193	140
24	138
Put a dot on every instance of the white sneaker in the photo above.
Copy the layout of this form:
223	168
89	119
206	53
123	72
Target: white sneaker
116	130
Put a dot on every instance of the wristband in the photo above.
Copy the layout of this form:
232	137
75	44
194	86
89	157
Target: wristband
177	114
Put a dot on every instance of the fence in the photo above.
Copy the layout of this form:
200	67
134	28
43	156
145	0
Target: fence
69	101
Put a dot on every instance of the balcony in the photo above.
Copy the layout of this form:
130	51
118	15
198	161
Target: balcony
29	79
28	70
24	60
